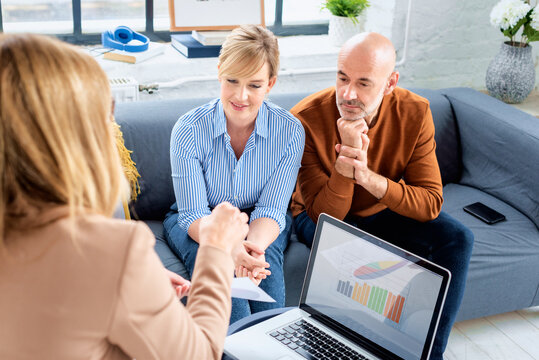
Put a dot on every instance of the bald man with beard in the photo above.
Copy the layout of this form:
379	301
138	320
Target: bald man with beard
370	160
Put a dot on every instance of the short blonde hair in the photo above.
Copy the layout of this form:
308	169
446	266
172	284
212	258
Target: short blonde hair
246	50
57	145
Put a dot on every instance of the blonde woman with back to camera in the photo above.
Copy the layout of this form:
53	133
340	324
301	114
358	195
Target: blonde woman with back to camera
74	283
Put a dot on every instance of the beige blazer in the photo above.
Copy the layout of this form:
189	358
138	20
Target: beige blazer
104	294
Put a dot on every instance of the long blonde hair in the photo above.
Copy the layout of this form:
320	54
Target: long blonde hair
57	145
246	50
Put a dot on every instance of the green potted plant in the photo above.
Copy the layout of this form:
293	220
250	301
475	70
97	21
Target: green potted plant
346	19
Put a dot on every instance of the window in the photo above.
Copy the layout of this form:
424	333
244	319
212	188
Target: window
161	20
302	12
82	21
44	16
100	15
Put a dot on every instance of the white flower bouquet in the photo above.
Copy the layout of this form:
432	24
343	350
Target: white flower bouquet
512	15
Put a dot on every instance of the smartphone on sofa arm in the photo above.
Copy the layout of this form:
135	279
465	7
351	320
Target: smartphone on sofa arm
484	213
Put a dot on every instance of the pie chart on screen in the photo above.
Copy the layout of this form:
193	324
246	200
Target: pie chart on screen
378	268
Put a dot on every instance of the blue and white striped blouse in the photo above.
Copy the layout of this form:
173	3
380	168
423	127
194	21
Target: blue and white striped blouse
205	171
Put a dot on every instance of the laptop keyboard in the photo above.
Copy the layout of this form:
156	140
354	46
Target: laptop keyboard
313	343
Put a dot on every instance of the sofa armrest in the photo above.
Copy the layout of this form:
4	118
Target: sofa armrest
500	148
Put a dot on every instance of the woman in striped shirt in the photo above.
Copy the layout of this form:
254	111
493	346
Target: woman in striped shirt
245	150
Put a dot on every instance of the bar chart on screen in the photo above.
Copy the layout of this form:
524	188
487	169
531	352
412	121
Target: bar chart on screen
375	298
377	283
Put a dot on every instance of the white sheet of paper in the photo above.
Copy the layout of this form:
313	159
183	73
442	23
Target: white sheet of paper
244	288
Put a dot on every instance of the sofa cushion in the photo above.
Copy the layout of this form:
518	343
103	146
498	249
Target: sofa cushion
146	127
287	101
498	145
504	271
168	258
446	135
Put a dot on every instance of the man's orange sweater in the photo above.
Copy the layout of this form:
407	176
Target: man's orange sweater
402	149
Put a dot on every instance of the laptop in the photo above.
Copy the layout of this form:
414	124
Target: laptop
362	298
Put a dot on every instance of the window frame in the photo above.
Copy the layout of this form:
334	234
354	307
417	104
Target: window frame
79	38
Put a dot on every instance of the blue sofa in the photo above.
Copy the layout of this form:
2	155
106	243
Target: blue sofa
487	151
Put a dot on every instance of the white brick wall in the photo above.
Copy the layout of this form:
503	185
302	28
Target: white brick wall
451	43
380	17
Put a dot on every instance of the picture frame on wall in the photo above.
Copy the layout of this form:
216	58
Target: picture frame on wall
187	15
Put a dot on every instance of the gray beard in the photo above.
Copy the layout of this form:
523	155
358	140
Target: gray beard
357	117
365	113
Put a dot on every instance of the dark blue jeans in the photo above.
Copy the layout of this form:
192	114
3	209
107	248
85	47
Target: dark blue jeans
444	241
186	249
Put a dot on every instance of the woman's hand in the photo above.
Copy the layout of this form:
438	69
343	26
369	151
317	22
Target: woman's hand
180	285
243	272
250	257
256	273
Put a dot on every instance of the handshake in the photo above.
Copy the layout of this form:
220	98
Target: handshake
226	228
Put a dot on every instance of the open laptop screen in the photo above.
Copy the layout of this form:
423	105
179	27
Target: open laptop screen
375	289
